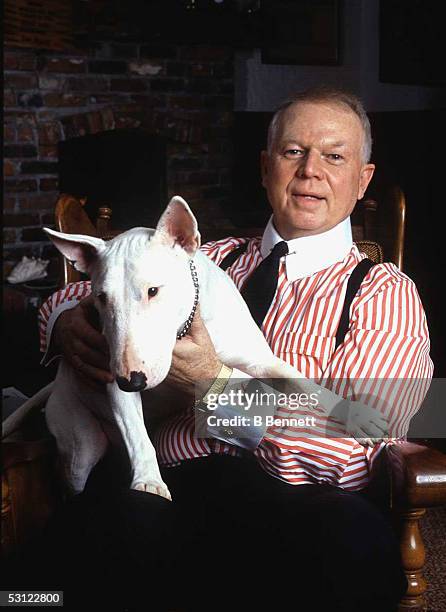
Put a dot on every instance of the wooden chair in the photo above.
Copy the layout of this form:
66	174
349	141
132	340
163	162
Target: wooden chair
380	232
412	476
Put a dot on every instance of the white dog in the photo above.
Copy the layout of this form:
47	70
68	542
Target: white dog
146	285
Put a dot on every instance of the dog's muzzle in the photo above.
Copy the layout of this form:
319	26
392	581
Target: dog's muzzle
137	382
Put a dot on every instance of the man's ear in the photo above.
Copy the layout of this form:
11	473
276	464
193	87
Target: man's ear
364	178
264	160
79	249
178	225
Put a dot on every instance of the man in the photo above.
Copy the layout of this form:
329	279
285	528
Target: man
293	510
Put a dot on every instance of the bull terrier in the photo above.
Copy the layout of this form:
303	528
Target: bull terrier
146	285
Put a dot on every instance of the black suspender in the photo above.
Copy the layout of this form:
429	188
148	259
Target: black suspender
233	255
353	285
354	282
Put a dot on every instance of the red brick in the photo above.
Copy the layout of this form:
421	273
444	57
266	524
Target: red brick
101	98
19	116
9	169
39	202
20	81
149	100
9	203
38	167
25	133
16	61
48	151
87	84
46	115
65	65
9	133
25	117
19	150
64	100
76	125
48	184
17	186
108	119
49	81
9	235
9	98
49	133
127	122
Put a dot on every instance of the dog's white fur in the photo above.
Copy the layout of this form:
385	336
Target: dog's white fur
141	333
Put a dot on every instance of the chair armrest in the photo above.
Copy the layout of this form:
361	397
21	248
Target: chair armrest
418	475
30	491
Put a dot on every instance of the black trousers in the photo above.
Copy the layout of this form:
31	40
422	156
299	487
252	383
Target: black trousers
233	539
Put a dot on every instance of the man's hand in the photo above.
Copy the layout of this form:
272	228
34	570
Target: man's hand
363	422
366	424
77	337
194	358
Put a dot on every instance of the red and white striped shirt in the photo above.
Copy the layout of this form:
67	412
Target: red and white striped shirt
387	340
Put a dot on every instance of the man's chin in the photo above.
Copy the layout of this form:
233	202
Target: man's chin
301	225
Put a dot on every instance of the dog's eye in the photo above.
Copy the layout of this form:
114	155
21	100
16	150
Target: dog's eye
152	291
102	297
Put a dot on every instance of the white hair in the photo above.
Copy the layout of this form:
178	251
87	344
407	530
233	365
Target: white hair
326	94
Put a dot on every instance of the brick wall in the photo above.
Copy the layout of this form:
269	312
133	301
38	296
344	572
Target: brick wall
182	92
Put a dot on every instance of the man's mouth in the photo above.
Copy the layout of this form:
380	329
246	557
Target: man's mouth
308	196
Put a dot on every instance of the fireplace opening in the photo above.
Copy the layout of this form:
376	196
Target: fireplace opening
124	169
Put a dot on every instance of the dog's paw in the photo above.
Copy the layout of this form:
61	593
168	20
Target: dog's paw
154	488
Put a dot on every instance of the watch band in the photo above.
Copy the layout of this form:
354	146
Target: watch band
216	388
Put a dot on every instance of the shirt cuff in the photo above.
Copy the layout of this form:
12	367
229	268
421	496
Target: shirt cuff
230	421
50	354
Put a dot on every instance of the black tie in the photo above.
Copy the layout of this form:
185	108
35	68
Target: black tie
261	286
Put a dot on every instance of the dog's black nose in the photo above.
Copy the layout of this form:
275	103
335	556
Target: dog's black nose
137	382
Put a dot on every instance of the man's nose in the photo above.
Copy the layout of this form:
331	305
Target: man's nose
310	166
137	382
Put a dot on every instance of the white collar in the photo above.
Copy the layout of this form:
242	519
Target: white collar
310	254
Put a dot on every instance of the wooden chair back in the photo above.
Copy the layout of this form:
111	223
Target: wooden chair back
71	218
381	233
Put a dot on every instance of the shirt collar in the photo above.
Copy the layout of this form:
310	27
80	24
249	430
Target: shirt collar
310	254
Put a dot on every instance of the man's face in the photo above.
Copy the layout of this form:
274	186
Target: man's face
314	173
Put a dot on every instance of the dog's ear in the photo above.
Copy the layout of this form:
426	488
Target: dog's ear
79	249
178	225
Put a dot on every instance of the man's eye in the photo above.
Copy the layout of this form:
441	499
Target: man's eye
293	153
334	157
